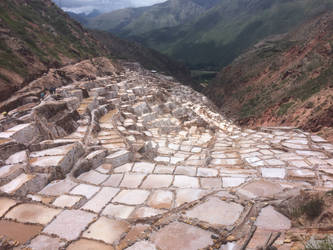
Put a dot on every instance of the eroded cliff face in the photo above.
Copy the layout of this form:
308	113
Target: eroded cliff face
282	81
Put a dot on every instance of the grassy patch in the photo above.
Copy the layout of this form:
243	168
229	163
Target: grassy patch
313	86
44	34
273	48
203	76
284	108
296	212
325	244
249	108
5	78
10	62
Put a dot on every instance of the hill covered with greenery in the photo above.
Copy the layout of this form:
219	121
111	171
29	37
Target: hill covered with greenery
209	34
282	81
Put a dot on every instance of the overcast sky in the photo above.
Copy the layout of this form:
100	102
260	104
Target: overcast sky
102	5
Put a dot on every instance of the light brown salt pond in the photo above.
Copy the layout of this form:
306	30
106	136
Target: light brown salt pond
32	213
4	140
18	231
107	117
84	244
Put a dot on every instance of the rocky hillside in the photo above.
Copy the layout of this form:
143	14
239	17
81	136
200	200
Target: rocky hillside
36	35
283	81
216	34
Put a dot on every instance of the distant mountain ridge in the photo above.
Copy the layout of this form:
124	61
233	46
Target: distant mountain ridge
208	34
137	21
83	17
148	58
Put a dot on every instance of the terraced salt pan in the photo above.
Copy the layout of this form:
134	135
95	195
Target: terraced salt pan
156	168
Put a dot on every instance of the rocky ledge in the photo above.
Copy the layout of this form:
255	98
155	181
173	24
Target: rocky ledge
134	160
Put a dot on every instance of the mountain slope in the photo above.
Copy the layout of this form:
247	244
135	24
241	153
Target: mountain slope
150	59
219	34
284	80
36	35
137	21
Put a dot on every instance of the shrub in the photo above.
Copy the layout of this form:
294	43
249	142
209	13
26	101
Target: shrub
313	208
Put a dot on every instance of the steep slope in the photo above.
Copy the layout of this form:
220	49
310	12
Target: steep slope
36	35
149	58
137	21
283	81
219	34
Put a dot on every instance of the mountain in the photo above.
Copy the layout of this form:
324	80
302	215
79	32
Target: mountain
149	58
36	35
83	17
209	36
282	81
103	6
138	21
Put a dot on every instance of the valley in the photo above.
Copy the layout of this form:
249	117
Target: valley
208	35
270	55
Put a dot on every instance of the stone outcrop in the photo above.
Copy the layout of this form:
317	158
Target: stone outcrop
135	160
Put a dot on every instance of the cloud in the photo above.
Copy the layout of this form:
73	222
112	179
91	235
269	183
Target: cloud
102	5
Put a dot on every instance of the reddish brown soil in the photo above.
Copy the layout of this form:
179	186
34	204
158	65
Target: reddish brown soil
284	81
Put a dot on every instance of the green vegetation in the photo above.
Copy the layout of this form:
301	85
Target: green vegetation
210	36
312	86
325	244
284	108
41	34
136	21
272	48
203	75
5	78
312	208
9	61
296	212
149	58
37	36
249	109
